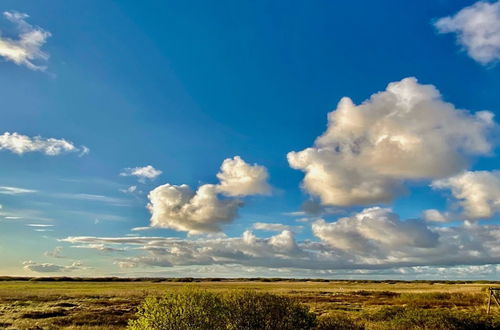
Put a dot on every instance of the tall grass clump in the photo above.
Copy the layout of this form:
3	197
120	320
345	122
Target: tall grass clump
196	309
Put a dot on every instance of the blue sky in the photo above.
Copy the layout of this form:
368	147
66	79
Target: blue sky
182	86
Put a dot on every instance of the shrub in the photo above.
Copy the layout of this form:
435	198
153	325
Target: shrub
184	310
247	310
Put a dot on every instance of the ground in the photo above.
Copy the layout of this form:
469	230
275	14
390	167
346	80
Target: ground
109	305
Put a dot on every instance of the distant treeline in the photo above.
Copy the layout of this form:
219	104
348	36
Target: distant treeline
220	279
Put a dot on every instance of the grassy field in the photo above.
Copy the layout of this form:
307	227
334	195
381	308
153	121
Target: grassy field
109	305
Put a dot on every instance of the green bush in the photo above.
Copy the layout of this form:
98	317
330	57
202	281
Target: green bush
249	310
196	309
184	310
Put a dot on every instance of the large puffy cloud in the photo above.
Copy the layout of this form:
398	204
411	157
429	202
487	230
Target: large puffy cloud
478	30
377	237
478	192
237	178
20	144
181	208
406	132
206	209
26	48
373	230
373	239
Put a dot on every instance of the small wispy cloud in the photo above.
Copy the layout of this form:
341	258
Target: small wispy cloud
275	227
131	190
84	151
94	197
20	144
143	173
51	268
99	216
24	214
6	190
141	228
56	253
26	46
433	215
99	247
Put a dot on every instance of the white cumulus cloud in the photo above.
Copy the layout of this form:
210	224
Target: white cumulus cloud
237	178
209	207
406	132
375	231
373	239
181	208
20	144
25	48
478	192
478	30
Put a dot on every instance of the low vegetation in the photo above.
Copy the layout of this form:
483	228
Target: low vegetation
246	310
249	310
58	304
420	318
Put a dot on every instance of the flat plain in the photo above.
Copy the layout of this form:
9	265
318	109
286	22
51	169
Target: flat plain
110	304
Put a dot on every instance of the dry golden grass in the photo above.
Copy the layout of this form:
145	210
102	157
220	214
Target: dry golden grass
108	305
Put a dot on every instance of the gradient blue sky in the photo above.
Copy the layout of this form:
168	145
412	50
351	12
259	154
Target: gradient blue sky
183	85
